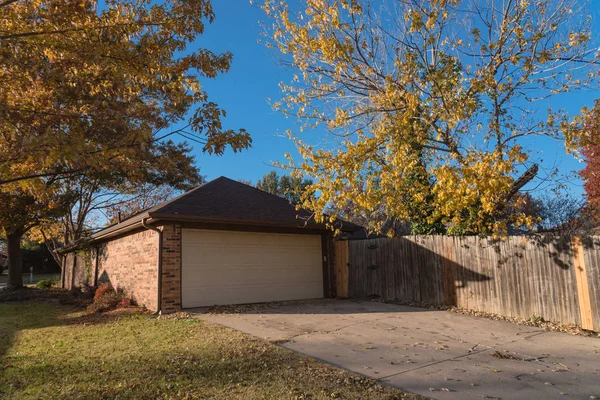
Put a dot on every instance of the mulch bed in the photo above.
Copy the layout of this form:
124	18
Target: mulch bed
60	296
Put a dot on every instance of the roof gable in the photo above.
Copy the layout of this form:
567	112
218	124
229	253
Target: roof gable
224	199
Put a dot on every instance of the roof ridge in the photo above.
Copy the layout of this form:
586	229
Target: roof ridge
263	191
228	200
160	206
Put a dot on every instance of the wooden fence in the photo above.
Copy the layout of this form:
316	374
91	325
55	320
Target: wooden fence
556	278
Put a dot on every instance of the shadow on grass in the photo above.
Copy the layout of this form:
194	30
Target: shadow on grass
30	308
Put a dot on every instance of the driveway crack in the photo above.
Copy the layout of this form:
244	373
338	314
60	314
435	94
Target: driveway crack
434	363
333	330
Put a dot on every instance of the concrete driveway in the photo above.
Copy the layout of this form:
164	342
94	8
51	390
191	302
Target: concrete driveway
436	354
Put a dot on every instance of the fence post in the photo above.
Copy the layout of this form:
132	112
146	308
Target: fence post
449	270
341	267
583	288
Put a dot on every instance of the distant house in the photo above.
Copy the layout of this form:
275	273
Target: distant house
224	242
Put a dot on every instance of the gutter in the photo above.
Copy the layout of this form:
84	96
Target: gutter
218	220
115	229
152	228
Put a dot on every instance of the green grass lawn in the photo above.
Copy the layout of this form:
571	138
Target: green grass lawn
54	351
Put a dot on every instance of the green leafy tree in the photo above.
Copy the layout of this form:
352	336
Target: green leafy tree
291	188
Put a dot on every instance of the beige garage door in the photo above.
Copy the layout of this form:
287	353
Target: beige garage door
228	267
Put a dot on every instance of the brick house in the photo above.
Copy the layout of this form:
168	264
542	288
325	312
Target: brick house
222	243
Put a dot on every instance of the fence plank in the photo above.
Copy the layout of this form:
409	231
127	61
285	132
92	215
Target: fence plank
449	266
583	288
341	267
592	263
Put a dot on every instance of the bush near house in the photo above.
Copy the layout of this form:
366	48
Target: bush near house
103	290
45	284
106	298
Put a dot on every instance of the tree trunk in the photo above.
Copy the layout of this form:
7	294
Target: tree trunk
522	181
15	261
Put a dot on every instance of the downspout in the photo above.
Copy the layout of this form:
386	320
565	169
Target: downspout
159	297
97	248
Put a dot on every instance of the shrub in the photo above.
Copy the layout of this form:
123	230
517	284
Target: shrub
105	303
45	284
103	290
125	302
106	298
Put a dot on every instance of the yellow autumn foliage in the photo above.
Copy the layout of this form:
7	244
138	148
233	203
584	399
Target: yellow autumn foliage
426	102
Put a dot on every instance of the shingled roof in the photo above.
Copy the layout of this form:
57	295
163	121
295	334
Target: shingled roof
224	200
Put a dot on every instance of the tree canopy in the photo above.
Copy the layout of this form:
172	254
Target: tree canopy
289	187
90	93
430	105
94	200
591	172
86	85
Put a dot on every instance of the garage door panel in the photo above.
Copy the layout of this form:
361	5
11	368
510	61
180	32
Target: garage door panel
250	239
281	260
226	256
228	267
250	275
257	285
248	294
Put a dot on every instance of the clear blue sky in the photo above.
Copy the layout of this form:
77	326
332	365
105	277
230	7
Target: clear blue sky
244	92
254	77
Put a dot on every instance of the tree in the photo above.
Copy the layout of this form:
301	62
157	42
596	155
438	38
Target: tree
591	176
289	187
591	172
166	170
139	199
20	213
526	204
564	214
84	86
372	219
433	99
87	91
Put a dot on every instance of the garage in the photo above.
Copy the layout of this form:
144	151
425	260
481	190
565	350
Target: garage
233	267
223	242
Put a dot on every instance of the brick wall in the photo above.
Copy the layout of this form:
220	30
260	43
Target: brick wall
171	268
131	263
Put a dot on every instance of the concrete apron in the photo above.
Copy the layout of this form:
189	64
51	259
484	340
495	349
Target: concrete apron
436	354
